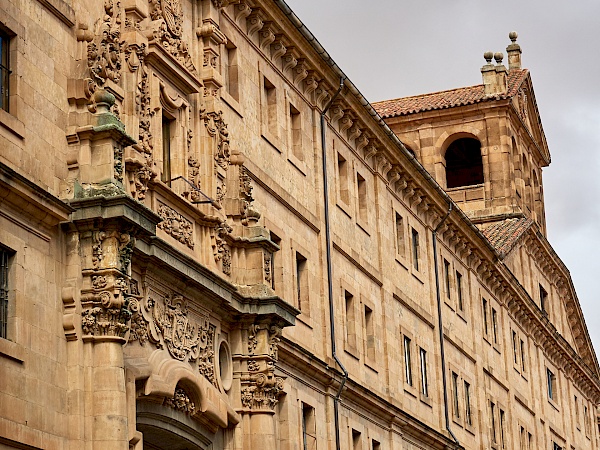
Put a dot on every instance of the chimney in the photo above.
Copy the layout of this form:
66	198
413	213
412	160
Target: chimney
514	52
494	77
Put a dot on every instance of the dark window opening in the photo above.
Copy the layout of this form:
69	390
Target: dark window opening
4	293
464	166
167	124
4	70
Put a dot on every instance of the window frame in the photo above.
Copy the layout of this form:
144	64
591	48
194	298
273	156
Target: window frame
5	69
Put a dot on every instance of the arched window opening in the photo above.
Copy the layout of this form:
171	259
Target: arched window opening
464	166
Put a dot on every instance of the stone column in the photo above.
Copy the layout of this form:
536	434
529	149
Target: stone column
105	321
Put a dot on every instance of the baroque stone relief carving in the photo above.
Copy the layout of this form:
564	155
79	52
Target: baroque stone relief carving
181	401
249	214
142	167
176	225
216	127
105	299
261	388
221	250
104	52
167	323
168	30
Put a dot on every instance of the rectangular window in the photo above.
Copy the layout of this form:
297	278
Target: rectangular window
3	293
459	291
551	378
4	70
468	415
485	316
529	441
301	283
361	185
375	445
447	277
502	440
543	300
556	446
523	355
455	395
495	325
275	262
231	74
343	178
167	124
296	133
407	362
515	348
356	440
493	420
400	249
309	427
586	420
369	333
522	442
350	319
423	358
576	411
270	95
415	248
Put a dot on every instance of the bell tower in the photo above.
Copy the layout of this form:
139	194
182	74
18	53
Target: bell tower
483	144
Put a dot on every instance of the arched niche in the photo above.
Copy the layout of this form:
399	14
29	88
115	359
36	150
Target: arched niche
464	163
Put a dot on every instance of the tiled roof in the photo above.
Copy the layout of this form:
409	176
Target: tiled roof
504	235
447	99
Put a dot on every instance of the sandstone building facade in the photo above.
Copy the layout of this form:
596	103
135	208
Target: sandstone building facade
209	239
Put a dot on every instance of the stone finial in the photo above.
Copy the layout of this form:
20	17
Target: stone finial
514	51
498	56
488	56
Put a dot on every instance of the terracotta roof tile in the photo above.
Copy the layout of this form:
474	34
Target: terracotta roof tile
504	235
447	99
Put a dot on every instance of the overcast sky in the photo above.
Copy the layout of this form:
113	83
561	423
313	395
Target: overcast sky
391	48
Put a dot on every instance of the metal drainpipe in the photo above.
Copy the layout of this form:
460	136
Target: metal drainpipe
336	399
440	322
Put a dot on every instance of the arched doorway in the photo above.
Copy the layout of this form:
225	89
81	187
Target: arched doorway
166	428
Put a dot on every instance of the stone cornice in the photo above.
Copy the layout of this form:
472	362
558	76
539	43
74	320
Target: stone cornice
19	190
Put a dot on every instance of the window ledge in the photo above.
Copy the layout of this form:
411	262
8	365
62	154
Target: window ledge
12	350
12	124
232	103
298	164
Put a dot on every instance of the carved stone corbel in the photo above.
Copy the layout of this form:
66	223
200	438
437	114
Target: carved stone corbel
300	72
